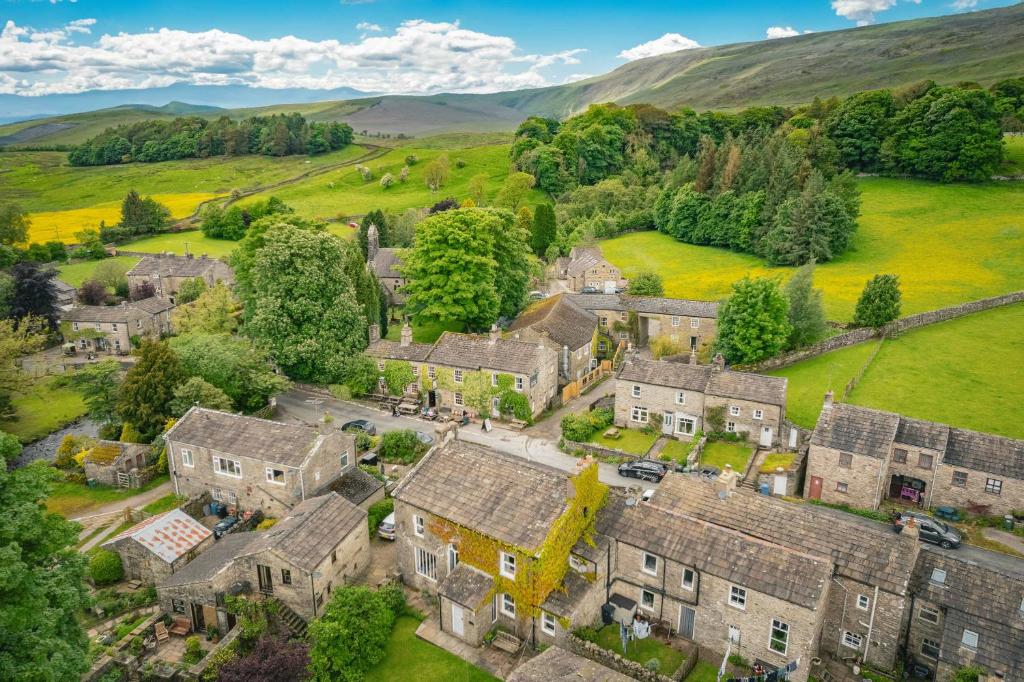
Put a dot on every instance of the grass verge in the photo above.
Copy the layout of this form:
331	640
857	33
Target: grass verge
43	409
74	499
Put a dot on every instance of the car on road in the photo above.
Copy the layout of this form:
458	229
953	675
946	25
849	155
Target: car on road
364	425
224	526
425	438
930	529
590	290
536	295
644	469
386	529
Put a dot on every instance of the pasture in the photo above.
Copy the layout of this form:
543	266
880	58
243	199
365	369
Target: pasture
967	372
948	244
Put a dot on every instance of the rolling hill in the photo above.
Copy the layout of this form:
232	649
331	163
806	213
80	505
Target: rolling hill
983	46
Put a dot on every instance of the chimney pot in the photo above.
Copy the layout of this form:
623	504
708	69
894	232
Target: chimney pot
719	362
494	334
406	335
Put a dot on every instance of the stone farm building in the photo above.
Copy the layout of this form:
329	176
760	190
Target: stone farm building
682	394
386	264
167	272
861	457
691	324
110	328
67	295
586	267
564	327
159	546
321	544
115	463
252	463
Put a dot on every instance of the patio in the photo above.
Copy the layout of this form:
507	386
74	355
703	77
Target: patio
495	661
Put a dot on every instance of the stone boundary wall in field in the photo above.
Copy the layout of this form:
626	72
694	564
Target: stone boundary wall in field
860	335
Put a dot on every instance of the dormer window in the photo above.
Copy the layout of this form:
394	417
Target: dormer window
938	576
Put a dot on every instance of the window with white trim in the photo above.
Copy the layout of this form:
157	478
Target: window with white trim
758	414
969	640
227	467
928	614
508	565
457	399
416	371
650	564
687	581
737	597
938	576
431	372
508	605
74	326
694	323
636	390
680	397
675	320
275	476
647	600
187	459
852	640
993	486
734	410
519	383
458	376
113	326
344	459
929	648
638	414
547	623
863	602
730	427
426	564
685	425
494	378
417	525
778	640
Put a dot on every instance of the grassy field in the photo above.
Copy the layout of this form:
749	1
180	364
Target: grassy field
967	372
73	499
719	453
633	441
76	273
43	409
406	655
1013	164
642	650
948	244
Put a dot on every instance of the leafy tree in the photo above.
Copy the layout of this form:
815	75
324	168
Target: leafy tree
544	231
858	126
142	216
105	567
753	322
272	659
301	308
42	587
214	312
967	673
514	190
436	173
401	447
397	375
92	292
381	220
197	391
446	204
99	383
190	290
477	189
879	303
6	294
806	314
34	293
16	340
111	273
233	365
350	635
148	388
14	224
142	291
646	283
514	263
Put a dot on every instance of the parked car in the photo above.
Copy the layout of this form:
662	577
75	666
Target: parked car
425	438
709	473
644	469
590	290
929	529
224	526
620	290
386	529
536	295
364	425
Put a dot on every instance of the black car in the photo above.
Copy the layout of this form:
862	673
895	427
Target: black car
224	525
364	425
590	290
929	529
644	469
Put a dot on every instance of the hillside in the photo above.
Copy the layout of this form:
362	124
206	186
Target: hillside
983	46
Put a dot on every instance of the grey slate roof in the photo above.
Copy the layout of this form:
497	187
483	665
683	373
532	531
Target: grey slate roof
236	434
985	452
922	434
123	313
62	287
393	350
211	562
175	266
650	305
482	352
857	430
386	263
153	305
556	664
566	323
706	379
563	600
746	386
356	486
587	259
861	549
466	586
500	495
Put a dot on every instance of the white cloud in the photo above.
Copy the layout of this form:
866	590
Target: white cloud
670	42
862	11
773	32
964	4
367	26
417	57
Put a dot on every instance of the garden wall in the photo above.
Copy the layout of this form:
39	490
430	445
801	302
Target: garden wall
610	659
863	334
599	450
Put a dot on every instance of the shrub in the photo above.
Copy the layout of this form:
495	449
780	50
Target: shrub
377	512
576	427
402	447
193	650
879	303
266	523
738	661
653	665
411	160
586	633
105	567
340	391
515	404
460	163
363	440
663	345
350	635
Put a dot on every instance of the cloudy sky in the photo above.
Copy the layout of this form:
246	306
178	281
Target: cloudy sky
393	46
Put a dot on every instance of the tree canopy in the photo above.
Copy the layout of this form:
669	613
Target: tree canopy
148	389
879	303
753	322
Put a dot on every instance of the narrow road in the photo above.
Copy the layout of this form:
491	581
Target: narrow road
111	514
294	405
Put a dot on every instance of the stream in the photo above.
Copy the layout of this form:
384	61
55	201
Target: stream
46	448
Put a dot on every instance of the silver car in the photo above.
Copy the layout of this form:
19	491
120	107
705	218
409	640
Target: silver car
386	529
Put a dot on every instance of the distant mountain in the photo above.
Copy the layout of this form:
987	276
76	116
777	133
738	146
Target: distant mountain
984	46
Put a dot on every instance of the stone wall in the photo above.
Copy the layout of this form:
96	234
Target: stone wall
575	447
610	659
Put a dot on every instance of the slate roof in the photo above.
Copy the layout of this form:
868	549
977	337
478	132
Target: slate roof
153	305
566	323
482	352
466	586
649	305
169	536
500	495
356	486
62	287
589	258
174	266
981	597
857	430
123	313
861	549
393	350
555	664
706	379
563	600
236	434
922	434
211	562
386	263
985	452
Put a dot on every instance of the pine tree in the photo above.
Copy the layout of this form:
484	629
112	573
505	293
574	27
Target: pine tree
879	303
806	314
148	389
544	230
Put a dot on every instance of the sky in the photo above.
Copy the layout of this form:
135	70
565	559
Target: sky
389	46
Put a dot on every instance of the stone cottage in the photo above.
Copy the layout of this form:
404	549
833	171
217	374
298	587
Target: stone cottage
861	456
691	324
564	327
682	395
67	295
115	463
586	267
157	547
386	264
167	272
250	463
111	328
322	543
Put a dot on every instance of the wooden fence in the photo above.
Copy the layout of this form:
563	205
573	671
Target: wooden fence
576	388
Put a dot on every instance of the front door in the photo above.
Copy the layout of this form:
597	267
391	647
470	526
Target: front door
815	489
766	436
457	626
686	618
266	581
668	423
198	621
779	487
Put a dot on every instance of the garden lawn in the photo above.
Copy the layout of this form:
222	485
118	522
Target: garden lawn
76	273
774	460
949	243
978	359
703	672
719	453
426	331
73	499
409	657
163	504
44	408
633	441
676	450
642	650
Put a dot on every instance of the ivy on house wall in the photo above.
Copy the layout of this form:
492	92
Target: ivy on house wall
477	387
397	375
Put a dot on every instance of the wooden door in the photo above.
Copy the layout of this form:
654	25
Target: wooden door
815	488
266	581
686	619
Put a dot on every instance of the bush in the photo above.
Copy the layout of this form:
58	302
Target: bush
580	427
377	512
350	635
663	346
401	447
653	665
879	303
515	404
193	651
105	567
738	661
586	633
266	523
363	440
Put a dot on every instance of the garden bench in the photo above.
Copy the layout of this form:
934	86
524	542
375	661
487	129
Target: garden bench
181	626
506	641
517	424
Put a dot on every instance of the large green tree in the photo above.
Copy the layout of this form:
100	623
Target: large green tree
41	578
753	322
14	224
816	225
806	314
214	312
350	635
858	126
198	392
646	283
514	263
544	230
143	216
34	293
148	389
16	340
233	365
100	385
879	303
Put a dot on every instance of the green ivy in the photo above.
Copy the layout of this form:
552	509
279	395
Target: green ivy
397	375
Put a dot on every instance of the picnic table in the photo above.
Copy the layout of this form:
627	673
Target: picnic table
407	407
613	433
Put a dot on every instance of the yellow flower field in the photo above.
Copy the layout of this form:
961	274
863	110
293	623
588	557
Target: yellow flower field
62	225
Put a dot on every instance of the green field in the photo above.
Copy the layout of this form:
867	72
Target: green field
76	273
44	408
967	372
406	656
1013	164
948	244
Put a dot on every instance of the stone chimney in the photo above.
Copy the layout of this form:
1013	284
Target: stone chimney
406	334
372	242
374	332
911	529
830	398
718	364
494	334
725	484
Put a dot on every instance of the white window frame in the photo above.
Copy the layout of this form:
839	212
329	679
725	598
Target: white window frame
738	597
849	637
187	458
431	372
269	473
508	605
734	411
637	391
221	469
643	563
547	623
577	564
643	594
680	397
937	646
730	427
681	422
994	486
782	627
694	323
938	576
74	326
759	414
457	399
675	320
863	602
688	584
416	370
507	565
519	383
344	459
417	525
494	378
426	564
933	614
964	640
457	376
639	414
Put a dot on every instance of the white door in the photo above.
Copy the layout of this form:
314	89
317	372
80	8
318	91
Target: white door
766	436
793	435
457	627
609	286
668	421
495	412
779	487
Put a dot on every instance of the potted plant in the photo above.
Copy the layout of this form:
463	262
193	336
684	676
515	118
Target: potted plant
213	634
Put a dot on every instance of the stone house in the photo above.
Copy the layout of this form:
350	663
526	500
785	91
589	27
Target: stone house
250	463
109	329
386	264
159	546
565	328
111	462
861	456
588	268
167	272
472	525
67	295
691	324
968	612
682	394
321	544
